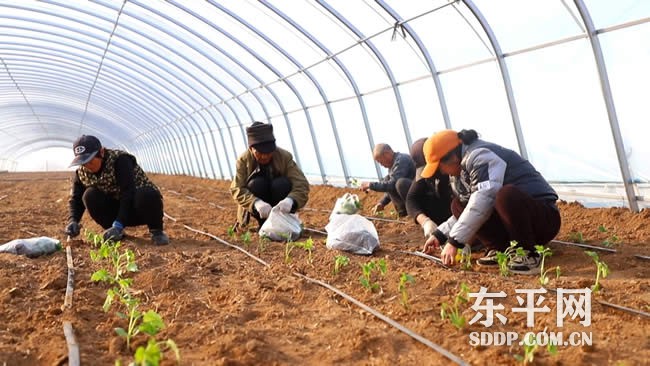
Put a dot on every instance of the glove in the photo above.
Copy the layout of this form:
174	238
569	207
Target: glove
115	232
73	229
429	227
263	208
285	205
377	208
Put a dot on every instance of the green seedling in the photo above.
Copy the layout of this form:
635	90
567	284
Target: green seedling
543	275
340	261
246	238
611	240
149	322
464	258
152	353
262	243
452	312
602	270
381	265
576	237
366	270
231	231
503	258
530	347
307	245
288	247
404	279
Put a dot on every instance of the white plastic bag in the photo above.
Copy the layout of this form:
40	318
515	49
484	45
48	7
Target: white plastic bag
347	204
280	226
32	247
352	233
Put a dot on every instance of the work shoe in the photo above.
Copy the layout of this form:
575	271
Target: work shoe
527	265
159	237
489	260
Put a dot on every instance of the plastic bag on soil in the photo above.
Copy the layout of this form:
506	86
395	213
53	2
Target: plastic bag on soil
32	247
352	233
347	204
280	226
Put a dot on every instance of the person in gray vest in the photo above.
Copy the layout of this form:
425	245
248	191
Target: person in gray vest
499	197
401	171
115	190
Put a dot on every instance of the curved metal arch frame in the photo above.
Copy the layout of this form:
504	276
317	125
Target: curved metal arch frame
609	104
346	72
384	64
307	73
435	77
505	75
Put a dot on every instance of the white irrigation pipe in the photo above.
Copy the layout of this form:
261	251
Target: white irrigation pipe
642	256
584	246
388	320
619	307
424	255
73	347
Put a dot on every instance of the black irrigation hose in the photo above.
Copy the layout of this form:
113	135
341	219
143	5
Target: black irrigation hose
368	309
388	320
584	246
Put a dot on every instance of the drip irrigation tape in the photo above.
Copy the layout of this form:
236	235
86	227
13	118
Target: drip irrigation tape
642	256
619	307
388	320
169	217
584	246
260	260
424	255
316	231
73	347
67	302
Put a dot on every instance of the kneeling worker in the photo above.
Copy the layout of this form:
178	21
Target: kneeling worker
115	190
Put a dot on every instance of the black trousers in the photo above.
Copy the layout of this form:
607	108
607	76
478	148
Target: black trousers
516	216
147	208
398	196
270	190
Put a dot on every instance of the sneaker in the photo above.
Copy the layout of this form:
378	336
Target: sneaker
527	265
159	237
489	260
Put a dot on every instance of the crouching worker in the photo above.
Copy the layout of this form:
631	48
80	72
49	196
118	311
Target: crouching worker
267	176
401	171
500	198
115	190
428	200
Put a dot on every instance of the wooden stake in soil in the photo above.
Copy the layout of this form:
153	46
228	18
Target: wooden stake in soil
388	320
67	302
73	347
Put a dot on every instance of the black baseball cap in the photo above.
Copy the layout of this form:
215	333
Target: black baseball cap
85	149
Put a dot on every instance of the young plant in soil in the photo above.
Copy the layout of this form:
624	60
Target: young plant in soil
464	258
602	270
367	269
576	237
149	322
340	261
404	279
261	244
231	231
543	275
152	353
453	312
307	245
530	347
503	258
246	238
288	247
611	240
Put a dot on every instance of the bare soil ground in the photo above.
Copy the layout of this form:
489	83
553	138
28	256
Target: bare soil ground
223	308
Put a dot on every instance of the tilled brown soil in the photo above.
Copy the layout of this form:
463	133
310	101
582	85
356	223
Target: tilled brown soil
221	307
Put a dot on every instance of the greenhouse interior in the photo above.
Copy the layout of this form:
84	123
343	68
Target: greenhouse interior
169	256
